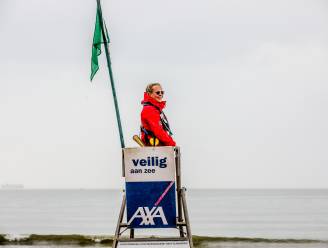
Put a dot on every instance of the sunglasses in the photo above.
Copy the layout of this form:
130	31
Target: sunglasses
159	93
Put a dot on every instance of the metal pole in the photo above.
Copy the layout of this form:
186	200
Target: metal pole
186	215
110	74
119	221
178	175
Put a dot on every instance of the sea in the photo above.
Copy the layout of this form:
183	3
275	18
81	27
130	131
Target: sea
271	214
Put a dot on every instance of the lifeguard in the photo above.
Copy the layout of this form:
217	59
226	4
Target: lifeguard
155	129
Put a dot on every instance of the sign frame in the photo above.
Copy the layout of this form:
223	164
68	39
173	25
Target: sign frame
150	187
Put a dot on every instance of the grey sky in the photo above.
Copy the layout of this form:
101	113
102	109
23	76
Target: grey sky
245	81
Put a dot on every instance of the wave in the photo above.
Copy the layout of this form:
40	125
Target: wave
70	239
75	239
206	239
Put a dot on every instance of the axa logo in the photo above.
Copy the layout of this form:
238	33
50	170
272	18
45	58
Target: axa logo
147	216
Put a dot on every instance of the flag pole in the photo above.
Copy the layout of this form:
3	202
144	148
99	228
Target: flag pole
110	74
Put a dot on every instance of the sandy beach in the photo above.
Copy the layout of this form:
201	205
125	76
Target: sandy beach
43	241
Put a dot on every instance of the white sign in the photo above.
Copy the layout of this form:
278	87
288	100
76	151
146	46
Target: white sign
149	244
149	164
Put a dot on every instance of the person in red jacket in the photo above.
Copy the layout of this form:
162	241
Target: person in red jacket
155	129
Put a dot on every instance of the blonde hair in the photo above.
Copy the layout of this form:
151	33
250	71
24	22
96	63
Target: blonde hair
149	88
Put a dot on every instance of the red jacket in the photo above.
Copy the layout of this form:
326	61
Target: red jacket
151	121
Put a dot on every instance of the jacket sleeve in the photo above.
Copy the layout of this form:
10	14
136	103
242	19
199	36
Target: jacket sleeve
154	123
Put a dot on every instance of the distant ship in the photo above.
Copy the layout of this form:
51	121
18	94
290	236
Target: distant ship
12	186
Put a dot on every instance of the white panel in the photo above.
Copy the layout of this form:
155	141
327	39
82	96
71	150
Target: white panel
149	164
148	244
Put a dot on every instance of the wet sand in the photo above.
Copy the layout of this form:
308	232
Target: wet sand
66	241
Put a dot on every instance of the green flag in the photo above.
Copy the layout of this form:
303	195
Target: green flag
96	46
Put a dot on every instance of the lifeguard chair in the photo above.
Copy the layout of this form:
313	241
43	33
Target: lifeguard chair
153	198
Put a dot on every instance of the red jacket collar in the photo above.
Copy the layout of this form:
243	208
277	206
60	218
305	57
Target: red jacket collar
147	98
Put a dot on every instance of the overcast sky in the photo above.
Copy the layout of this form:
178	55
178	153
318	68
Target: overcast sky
246	86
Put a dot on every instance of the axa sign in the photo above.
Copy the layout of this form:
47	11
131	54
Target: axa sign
147	216
151	204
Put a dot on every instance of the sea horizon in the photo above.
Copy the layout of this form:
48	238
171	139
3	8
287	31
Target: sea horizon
191	188
252	213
